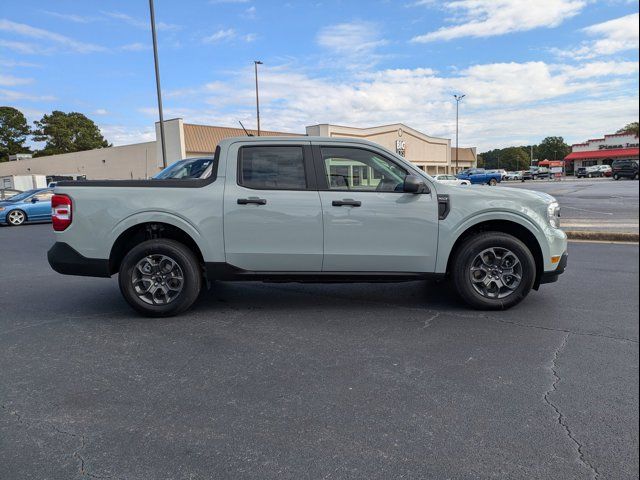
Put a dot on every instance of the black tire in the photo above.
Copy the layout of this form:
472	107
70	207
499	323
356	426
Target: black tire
180	255
468	252
616	176
493	182
20	216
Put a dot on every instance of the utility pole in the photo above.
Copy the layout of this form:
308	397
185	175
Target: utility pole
255	65
458	98
155	59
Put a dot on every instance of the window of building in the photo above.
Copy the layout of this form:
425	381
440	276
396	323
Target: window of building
361	170
272	168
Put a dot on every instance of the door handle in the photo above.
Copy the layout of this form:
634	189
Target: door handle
255	201
346	203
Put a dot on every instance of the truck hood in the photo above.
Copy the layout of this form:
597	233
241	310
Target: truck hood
496	193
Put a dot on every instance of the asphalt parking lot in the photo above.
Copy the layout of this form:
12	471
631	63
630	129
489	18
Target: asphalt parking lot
598	204
318	381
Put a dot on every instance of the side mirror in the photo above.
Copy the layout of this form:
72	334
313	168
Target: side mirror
34	200
414	184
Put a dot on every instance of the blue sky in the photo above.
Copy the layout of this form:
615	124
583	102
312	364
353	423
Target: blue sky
529	68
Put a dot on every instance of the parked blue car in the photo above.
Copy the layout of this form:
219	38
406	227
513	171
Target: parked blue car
29	206
480	176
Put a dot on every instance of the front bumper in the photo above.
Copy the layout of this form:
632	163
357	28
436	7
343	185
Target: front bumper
552	276
66	260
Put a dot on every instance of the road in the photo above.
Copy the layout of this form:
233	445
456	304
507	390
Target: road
592	204
318	381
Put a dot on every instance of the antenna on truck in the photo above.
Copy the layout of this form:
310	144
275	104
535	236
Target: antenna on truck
245	130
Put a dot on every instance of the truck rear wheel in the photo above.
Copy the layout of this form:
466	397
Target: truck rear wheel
160	278
493	271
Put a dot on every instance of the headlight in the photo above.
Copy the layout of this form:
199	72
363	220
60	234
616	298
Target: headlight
553	213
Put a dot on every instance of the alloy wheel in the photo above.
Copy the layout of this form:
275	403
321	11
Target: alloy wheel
16	217
157	279
496	273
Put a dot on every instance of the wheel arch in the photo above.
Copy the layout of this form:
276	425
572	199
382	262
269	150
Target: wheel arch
149	230
511	227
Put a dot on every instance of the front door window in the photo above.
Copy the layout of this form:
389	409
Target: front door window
355	169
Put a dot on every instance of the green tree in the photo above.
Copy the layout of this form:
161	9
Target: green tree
67	132
13	132
630	128
514	158
553	148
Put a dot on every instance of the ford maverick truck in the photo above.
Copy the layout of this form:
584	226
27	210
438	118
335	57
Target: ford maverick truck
479	176
305	209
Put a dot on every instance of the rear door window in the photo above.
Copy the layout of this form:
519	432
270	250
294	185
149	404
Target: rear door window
272	168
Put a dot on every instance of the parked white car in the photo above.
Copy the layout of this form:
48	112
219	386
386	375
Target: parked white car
513	176
451	180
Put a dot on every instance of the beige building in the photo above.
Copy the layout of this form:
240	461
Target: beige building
184	140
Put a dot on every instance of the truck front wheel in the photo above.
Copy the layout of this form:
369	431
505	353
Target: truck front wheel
160	278
493	182
493	271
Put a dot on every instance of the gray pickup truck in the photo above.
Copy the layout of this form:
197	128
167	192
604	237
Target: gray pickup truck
305	209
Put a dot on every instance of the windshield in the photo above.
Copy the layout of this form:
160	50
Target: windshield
22	196
190	168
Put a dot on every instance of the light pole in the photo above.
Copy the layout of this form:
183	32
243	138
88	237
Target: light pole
458	98
255	66
155	59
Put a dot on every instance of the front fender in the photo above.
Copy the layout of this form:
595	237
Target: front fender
451	231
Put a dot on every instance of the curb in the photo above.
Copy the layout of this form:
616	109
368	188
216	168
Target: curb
602	236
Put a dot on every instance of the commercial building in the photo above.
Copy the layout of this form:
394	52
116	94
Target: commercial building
603	151
183	140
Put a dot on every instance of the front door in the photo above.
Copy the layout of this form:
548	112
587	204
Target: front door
41	206
272	213
370	224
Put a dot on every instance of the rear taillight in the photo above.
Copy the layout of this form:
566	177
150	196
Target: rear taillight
60	212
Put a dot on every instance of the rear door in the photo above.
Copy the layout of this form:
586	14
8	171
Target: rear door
370	224
272	212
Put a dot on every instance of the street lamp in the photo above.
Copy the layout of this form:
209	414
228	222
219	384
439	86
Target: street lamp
255	65
155	60
458	98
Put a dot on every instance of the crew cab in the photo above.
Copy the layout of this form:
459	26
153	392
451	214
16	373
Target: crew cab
480	176
305	209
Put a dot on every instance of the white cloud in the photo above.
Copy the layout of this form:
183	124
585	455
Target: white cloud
520	97
487	18
350	38
220	35
250	12
71	17
141	24
100	111
11	81
38	33
250	37
613	36
22	47
135	47
125	135
13	96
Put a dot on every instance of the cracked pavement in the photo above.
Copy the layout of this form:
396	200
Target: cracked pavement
318	381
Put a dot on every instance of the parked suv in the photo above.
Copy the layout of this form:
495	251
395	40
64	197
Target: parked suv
624	169
305	209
